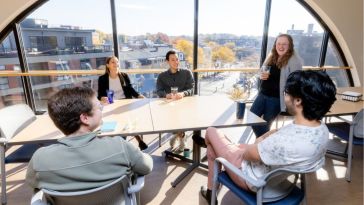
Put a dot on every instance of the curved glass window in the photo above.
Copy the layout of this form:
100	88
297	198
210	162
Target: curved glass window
11	88
76	39
60	37
339	76
305	30
230	36
147	30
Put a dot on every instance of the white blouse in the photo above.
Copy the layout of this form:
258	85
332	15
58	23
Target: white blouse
115	85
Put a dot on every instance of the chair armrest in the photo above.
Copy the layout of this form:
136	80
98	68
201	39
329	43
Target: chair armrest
137	186
37	199
255	182
281	171
260	182
316	164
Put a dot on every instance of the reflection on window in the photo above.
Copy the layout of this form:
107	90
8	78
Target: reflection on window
74	42
4	82
147	30
11	91
62	66
333	59
65	42
42	43
305	30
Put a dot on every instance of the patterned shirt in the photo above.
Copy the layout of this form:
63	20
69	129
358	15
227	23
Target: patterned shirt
293	146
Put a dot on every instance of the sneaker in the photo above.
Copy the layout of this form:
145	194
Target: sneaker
172	141
199	140
206	194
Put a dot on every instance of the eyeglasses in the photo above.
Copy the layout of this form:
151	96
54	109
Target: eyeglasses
285	93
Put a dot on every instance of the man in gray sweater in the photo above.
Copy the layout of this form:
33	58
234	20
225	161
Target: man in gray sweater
81	160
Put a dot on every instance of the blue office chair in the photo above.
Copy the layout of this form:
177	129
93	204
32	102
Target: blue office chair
283	193
119	192
350	131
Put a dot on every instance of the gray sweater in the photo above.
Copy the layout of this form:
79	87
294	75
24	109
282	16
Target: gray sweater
85	162
182	79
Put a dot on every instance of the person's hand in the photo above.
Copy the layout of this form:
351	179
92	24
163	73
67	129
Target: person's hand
104	101
141	96
264	75
179	95
169	96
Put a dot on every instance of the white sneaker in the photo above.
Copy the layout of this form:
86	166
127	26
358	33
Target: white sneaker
172	141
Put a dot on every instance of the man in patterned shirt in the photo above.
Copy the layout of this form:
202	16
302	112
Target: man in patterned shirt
308	96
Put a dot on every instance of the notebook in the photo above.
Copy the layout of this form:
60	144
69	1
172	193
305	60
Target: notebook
351	96
108	126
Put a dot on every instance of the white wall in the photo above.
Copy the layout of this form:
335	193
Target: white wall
10	9
344	18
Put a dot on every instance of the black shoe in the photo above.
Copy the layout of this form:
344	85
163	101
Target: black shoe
199	140
206	194
142	145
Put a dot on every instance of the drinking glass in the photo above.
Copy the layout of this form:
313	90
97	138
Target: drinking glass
265	69
174	91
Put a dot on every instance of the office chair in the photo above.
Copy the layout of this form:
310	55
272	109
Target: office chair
350	131
119	192
284	193
13	119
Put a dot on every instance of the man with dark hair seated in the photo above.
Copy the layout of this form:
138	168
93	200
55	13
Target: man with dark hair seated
182	81
81	160
308	97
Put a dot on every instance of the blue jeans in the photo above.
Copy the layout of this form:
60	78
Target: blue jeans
268	108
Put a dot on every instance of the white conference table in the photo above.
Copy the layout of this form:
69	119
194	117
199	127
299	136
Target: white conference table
149	116
345	107
197	113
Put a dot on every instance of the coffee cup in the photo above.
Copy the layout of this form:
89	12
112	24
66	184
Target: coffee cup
186	152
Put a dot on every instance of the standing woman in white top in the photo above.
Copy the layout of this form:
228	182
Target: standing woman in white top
119	82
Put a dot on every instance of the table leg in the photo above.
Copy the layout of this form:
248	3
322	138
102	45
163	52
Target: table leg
3	175
195	162
350	153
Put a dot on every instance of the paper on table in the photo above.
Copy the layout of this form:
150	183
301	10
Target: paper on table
108	126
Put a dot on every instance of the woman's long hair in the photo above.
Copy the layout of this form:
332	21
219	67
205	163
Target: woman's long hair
107	71
274	57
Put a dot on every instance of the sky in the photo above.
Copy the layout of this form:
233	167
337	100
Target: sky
175	17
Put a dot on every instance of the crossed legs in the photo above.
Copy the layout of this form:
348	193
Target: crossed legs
218	145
